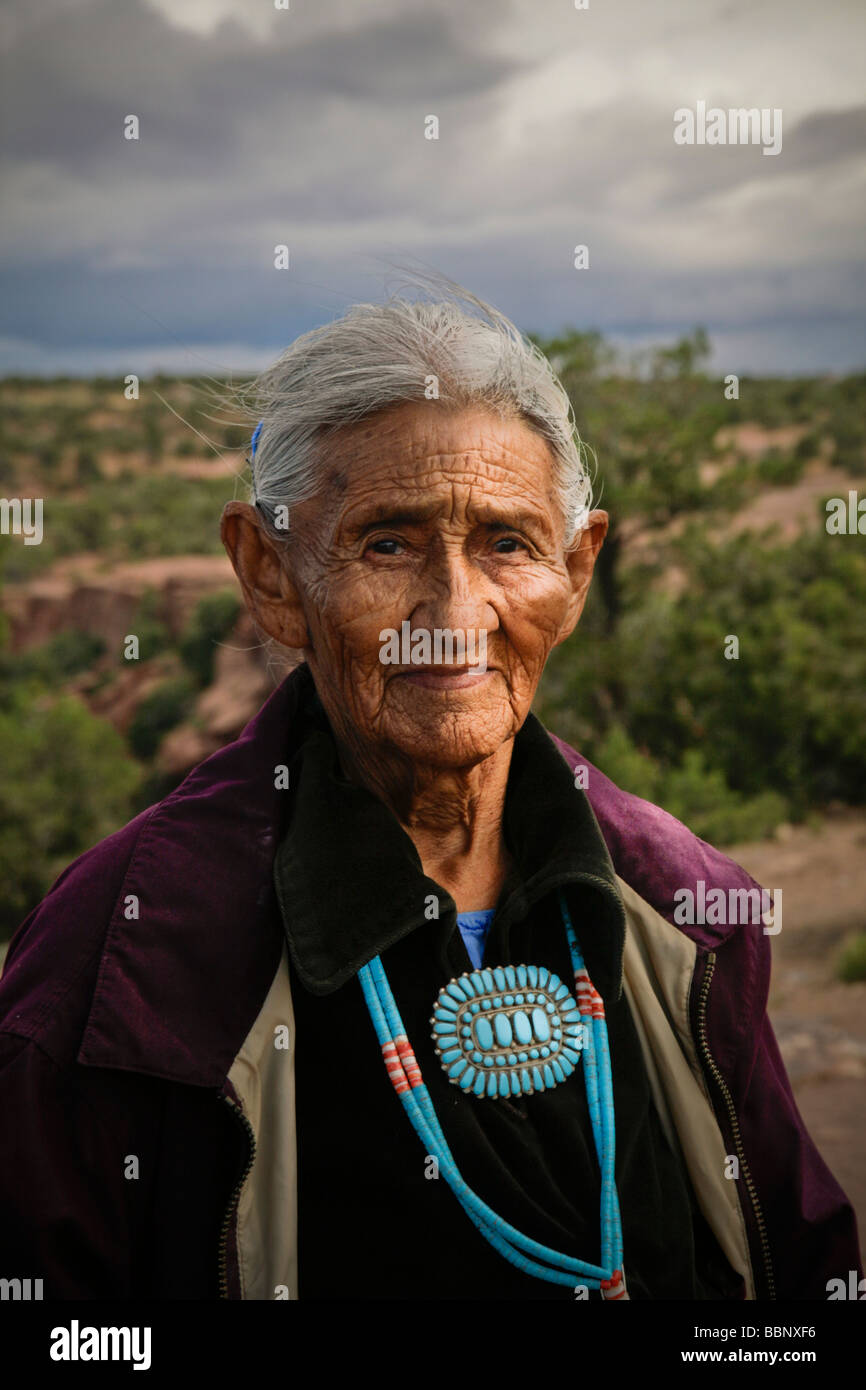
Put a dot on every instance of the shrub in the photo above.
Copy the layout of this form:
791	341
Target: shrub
151	426
780	470
56	660
152	633
160	711
700	797
236	436
852	961
696	794
809	446
213	619
67	782
632	769
87	467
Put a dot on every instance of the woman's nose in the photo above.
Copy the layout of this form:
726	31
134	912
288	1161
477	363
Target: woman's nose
457	593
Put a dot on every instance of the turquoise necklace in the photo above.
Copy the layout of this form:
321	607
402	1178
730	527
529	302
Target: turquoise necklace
512	1030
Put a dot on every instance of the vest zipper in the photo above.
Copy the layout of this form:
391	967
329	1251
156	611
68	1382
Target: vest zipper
734	1122
236	1192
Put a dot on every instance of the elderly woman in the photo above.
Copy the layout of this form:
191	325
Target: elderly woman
387	1000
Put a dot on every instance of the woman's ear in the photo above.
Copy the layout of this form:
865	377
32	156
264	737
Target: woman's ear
269	589
580	564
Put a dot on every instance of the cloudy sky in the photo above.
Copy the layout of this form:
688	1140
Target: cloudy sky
306	127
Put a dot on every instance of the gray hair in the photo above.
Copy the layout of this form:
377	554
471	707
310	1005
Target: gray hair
381	355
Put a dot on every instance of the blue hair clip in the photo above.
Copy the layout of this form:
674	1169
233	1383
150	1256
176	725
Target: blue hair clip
255	439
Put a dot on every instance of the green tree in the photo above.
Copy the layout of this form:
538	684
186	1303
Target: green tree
67	783
650	425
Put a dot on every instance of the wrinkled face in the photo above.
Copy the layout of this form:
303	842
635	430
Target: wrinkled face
442	521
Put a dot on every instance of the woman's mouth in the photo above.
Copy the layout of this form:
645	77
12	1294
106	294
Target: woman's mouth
446	677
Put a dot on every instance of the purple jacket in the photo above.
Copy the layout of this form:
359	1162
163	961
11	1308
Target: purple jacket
129	990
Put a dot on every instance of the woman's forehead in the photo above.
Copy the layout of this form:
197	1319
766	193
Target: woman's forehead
421	438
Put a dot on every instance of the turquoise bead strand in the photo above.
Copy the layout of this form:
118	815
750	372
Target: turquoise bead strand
600	1080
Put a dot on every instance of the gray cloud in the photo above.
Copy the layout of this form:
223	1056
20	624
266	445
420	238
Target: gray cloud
307	128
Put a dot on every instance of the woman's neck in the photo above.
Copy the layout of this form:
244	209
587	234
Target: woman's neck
454	817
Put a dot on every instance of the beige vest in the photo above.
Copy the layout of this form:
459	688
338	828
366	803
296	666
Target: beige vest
658	965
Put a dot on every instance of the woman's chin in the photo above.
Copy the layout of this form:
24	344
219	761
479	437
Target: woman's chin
451	736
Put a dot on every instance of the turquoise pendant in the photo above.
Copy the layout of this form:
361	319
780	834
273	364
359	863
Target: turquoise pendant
507	1031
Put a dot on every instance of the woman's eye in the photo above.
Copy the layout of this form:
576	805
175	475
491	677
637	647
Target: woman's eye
385	542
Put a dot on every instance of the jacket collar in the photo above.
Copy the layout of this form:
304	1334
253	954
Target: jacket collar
350	882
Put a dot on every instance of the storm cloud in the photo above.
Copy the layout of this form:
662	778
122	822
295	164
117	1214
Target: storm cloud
306	127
